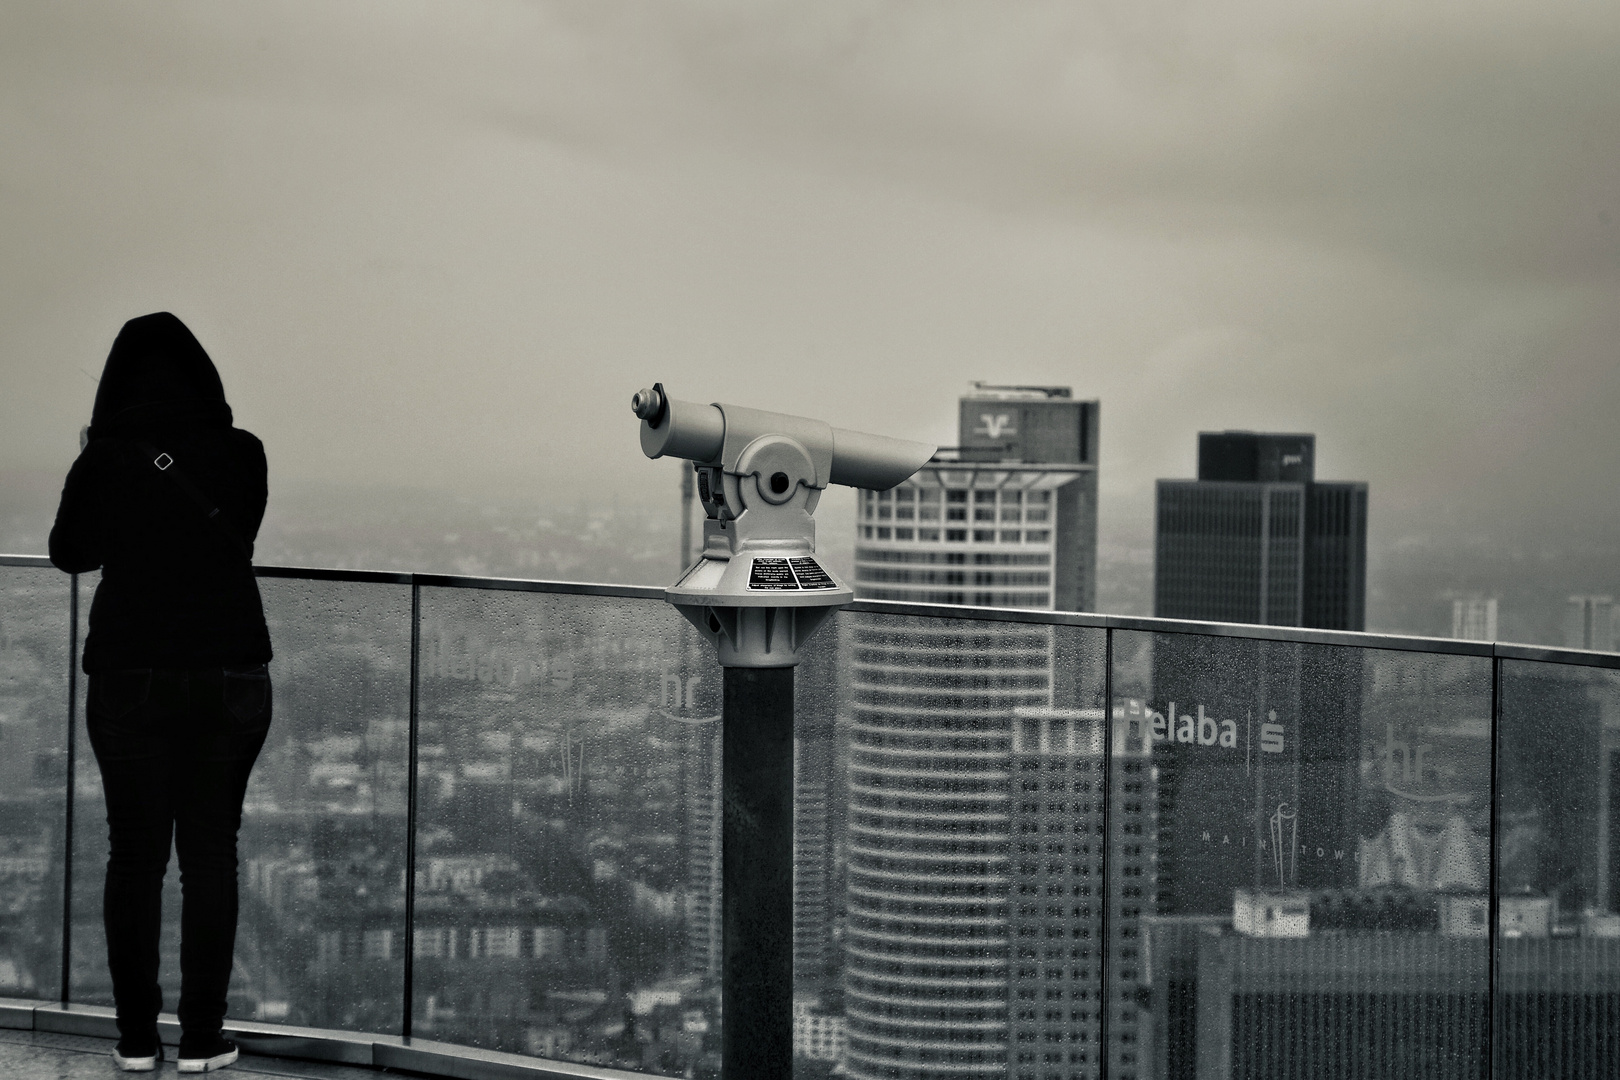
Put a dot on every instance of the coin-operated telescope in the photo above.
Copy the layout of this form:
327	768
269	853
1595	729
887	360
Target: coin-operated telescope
757	589
758	592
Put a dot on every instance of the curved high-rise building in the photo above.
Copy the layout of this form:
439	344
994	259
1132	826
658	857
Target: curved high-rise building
1010	523
926	948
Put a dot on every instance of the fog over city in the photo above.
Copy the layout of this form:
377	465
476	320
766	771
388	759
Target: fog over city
434	248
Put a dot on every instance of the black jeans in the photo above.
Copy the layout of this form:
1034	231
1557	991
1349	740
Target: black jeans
175	749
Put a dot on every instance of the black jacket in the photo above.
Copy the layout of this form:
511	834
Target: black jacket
175	590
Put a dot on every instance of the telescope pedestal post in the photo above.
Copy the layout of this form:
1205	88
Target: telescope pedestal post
756	981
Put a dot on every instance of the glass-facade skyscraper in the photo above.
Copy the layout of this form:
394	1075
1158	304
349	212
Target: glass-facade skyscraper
1258	539
936	923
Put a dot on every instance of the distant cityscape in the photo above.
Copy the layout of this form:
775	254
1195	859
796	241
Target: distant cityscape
1000	871
1414	582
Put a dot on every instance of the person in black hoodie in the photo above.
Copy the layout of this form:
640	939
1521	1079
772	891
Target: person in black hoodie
165	499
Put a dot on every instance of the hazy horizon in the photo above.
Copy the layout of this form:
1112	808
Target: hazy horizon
440	247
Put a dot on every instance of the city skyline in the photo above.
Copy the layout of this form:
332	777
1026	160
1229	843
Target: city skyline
433	250
427	249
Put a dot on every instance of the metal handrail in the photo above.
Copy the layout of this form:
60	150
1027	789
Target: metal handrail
1137	623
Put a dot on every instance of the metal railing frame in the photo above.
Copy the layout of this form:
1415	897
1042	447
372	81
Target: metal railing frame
306	1044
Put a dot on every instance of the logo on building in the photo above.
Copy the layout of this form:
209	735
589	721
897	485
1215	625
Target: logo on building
995	425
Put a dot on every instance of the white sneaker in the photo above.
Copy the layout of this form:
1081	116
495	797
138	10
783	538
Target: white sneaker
140	1063
221	1054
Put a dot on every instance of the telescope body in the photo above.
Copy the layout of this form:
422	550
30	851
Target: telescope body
757	588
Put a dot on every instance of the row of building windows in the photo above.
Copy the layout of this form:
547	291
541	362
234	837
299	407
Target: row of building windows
933	496
1030	888
925	512
1053	868
957	536
1027	784
1078	974
448	943
982	512
1004	693
957	636
953	558
1003	578
970	721
928	891
944	663
944	596
926	743
1057	807
940	784
1054	911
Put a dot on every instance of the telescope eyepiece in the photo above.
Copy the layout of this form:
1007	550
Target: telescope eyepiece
648	404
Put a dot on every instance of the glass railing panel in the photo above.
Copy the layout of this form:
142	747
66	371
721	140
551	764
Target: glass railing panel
322	934
88	980
1558	871
1319	821
567	873
321	852
973	935
34	666
820	849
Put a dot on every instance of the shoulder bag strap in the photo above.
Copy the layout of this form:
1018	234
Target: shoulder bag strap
164	463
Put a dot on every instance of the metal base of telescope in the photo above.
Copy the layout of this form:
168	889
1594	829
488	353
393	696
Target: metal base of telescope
756	980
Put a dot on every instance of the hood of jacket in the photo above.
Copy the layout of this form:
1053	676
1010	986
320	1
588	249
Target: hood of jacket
157	378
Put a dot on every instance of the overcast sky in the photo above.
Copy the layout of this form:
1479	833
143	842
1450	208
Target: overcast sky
444	243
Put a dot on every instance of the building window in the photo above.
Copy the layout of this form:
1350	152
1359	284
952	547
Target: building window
931	535
1034	514
983	536
1009	536
1038	536
952	536
883	532
927	513
884	512
866	531
902	534
904	513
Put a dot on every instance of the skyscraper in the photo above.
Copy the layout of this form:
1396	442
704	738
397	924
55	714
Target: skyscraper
1058	875
1257	539
1473	618
1008	521
1589	623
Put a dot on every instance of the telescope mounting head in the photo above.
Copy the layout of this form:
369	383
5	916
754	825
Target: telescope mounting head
756	588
